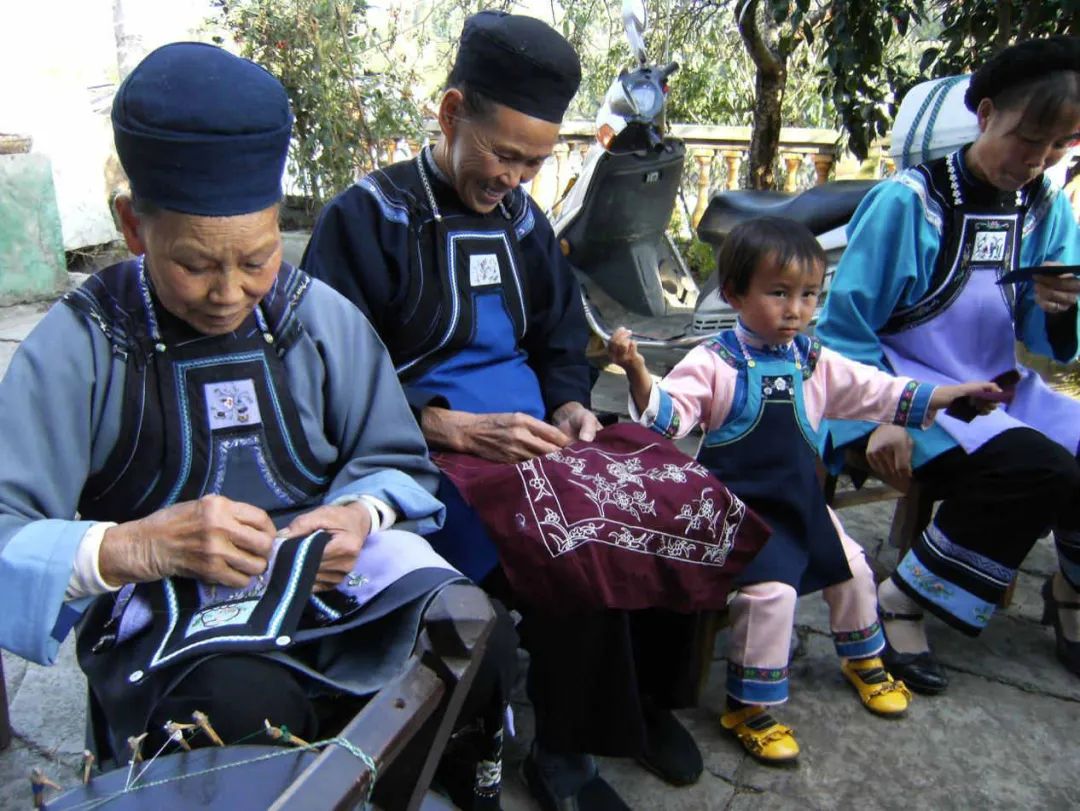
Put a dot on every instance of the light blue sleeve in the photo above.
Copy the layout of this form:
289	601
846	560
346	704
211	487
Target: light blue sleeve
51	399
381	450
890	256
1054	238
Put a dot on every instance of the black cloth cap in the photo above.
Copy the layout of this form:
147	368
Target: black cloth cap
518	61
1022	62
201	131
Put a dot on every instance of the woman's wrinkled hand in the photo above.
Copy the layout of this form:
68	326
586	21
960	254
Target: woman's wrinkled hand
1056	294
349	525
213	539
576	421
505	437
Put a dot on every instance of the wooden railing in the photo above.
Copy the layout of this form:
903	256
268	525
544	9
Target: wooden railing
716	159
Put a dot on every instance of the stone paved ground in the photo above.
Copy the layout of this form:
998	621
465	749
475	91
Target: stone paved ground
1003	737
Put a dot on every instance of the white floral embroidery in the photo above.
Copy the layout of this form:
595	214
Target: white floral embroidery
540	486
626	512
628	540
703	514
676	548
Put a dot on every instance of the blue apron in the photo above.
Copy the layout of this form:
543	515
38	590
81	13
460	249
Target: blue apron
477	364
765	452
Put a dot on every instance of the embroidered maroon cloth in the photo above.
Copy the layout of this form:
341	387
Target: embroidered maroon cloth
626	522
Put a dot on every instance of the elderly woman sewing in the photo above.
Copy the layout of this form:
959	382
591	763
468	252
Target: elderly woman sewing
231	434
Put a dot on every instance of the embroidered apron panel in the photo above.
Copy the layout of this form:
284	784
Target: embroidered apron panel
766	453
478	301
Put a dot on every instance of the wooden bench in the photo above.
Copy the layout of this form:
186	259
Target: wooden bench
414	714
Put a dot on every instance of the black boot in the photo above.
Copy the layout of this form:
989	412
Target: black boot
670	752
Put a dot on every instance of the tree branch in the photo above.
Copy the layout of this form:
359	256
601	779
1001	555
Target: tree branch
764	59
1004	24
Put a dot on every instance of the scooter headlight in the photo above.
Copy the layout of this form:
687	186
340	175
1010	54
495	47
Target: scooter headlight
605	134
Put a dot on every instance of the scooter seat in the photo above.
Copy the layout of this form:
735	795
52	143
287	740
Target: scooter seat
820	208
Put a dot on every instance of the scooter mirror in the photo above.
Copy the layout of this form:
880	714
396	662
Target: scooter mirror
635	21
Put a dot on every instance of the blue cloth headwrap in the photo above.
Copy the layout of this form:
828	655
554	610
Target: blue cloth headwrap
200	131
518	61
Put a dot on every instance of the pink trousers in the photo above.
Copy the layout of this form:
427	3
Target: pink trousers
762	616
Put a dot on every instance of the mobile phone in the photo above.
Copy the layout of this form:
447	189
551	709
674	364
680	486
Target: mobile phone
965	408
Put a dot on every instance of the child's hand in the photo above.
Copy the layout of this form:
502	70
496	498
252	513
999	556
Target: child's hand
622	350
982	396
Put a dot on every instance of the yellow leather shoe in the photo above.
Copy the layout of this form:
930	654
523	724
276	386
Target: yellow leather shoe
761	735
880	692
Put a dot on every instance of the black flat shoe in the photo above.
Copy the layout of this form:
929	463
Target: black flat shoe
1068	652
921	672
594	795
670	752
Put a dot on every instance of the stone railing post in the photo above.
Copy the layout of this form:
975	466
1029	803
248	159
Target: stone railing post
733	159
704	159
792	162
822	165
560	153
543	186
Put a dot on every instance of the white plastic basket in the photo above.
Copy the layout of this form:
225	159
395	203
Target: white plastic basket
932	122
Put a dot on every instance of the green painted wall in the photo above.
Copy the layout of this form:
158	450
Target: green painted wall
31	243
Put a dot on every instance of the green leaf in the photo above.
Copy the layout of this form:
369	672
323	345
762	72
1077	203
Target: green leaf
928	58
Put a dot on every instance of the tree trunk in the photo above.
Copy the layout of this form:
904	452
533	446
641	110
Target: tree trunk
765	139
130	48
1004	25
771	77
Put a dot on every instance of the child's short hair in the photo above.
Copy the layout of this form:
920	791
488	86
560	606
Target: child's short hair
783	241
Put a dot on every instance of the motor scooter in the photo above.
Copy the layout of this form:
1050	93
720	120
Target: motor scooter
613	222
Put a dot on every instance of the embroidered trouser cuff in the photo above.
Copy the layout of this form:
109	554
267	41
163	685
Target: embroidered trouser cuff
853	605
760	643
959	585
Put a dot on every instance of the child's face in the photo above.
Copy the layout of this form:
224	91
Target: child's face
780	301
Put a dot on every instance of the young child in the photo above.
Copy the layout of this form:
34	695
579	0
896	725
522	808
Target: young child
760	392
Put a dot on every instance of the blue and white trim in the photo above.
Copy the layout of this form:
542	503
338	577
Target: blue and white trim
948	599
392	210
917	182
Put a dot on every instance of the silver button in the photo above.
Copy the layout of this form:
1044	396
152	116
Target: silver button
282	641
135	677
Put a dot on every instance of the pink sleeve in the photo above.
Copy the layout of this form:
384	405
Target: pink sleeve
856	391
699	391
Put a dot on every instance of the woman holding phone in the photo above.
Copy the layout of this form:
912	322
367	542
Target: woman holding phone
927	289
